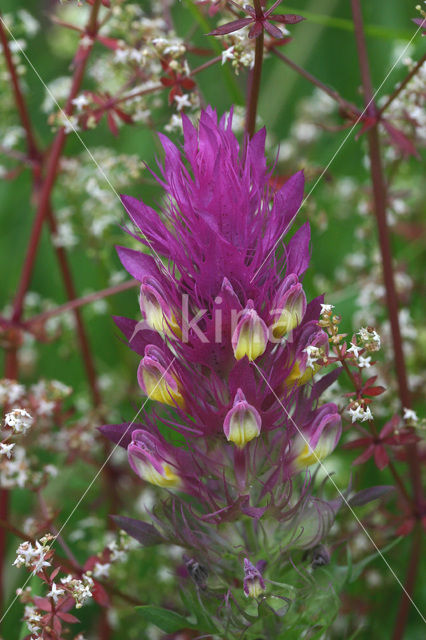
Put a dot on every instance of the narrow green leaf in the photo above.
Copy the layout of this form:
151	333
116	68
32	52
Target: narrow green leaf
373	30
166	620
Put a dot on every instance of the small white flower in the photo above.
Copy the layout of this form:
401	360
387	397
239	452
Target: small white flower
411	415
86	41
182	101
175	124
364	362
313	354
136	55
19	420
80	101
361	414
121	55
101	570
228	54
326	308
354	349
70	124
55	592
6	449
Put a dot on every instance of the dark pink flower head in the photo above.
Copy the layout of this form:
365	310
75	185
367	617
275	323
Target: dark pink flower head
221	220
230	349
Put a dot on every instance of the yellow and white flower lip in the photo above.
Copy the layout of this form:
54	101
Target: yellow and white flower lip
312	449
151	461
158	314
243	422
250	336
289	307
157	381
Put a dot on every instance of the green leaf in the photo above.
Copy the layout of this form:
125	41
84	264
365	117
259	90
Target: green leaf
359	567
202	615
373	30
166	620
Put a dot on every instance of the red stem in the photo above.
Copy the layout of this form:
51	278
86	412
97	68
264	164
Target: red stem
380	203
81	331
79	302
255	78
52	170
410	582
20	103
347	106
401	86
51	174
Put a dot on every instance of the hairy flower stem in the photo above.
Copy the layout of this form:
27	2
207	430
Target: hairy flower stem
379	194
348	107
255	79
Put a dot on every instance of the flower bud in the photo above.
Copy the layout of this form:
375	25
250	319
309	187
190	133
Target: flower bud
156	380
242	423
151	460
250	336
289	305
313	449
254	584
158	313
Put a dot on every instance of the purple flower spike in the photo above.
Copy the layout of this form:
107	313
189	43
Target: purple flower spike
243	422
254	584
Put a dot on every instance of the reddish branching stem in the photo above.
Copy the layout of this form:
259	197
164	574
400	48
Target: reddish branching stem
401	86
80	302
255	79
380	205
348	107
81	330
19	100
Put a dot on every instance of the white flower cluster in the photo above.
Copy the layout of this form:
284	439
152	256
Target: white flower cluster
173	47
32	618
360	413
370	339
14	472
81	590
410	415
10	391
33	557
19	420
240	53
407	111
